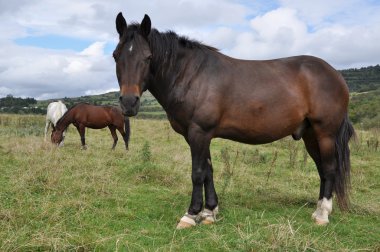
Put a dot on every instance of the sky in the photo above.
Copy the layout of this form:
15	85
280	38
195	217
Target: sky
54	49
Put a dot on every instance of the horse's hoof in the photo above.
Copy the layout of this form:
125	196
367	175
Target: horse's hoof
84	147
187	221
208	221
209	217
315	214
321	222
183	225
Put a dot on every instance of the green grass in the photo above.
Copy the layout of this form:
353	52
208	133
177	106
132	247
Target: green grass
66	199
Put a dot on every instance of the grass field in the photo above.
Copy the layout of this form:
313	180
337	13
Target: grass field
67	199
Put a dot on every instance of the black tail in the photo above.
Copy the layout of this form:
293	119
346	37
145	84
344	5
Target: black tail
127	129
342	152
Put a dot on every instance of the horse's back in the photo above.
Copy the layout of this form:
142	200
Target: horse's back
262	101
306	81
97	117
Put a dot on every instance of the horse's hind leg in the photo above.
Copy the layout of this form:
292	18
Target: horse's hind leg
328	165
114	135
326	162
312	148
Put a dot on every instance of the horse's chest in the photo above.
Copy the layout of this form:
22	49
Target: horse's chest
177	127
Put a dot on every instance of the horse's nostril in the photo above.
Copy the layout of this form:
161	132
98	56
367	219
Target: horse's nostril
136	101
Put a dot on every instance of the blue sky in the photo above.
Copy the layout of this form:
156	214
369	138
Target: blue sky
58	42
53	49
54	42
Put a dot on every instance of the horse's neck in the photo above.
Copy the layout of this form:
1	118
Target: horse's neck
64	122
171	84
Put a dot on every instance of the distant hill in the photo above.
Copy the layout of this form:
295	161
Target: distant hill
364	109
364	85
149	106
362	79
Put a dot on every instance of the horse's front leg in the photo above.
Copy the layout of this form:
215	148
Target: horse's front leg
47	126
208	215
82	130
114	135
199	142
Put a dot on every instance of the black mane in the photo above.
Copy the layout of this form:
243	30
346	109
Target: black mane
163	45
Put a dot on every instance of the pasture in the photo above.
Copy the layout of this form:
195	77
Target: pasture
62	199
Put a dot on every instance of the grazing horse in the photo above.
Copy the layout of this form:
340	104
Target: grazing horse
55	111
207	94
84	115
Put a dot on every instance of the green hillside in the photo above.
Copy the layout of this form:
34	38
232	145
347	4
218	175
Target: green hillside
149	106
362	79
364	109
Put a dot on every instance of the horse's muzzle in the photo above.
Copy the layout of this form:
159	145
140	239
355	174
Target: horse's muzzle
129	104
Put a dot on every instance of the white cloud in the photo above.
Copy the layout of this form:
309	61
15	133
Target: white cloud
4	91
43	73
277	23
283	32
96	49
343	32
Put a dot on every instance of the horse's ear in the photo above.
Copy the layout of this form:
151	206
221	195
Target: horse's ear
145	26
121	24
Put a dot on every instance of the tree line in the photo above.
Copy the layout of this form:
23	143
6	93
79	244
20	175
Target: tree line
362	79
18	105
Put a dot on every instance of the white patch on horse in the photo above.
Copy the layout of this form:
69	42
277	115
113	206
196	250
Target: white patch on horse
130	48
324	208
55	111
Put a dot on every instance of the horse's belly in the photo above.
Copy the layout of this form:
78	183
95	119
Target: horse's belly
95	125
255	131
249	136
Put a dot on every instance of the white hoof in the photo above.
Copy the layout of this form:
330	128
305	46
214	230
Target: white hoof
209	217
317	211
321	215
322	221
187	221
315	214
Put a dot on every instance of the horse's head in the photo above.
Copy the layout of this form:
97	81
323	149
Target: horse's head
132	56
56	136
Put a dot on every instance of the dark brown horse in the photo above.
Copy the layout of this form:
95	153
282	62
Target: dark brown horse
84	115
207	95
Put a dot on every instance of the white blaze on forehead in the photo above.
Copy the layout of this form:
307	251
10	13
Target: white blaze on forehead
130	48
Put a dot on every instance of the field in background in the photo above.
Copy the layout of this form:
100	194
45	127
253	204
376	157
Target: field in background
68	199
